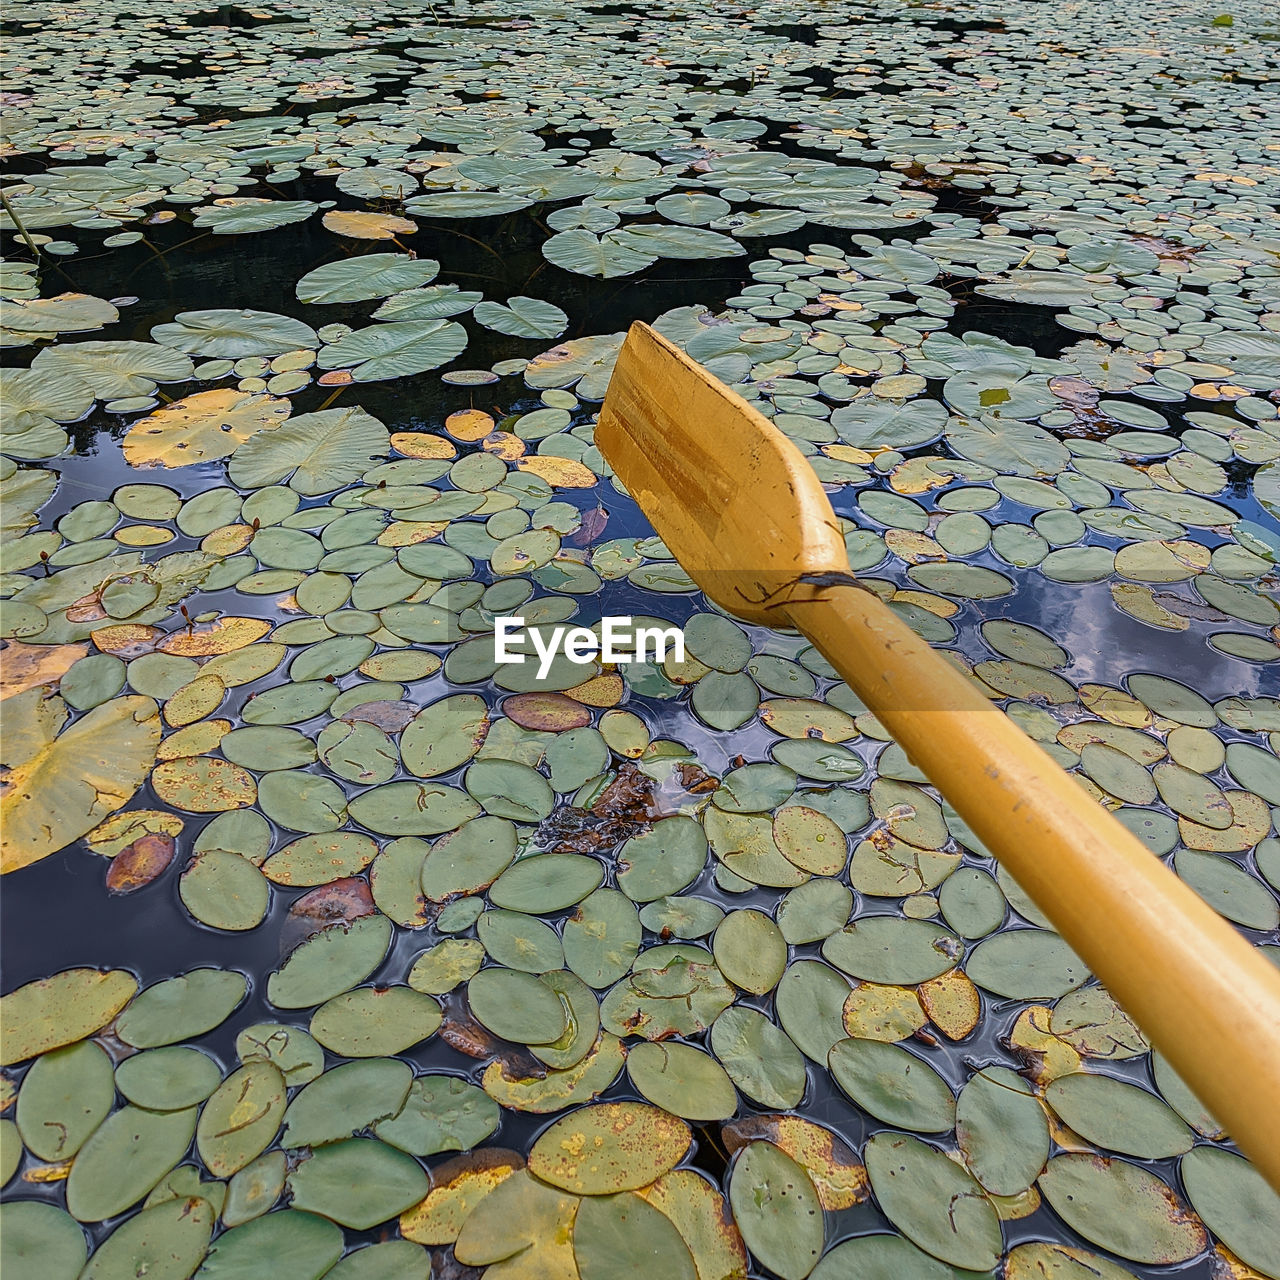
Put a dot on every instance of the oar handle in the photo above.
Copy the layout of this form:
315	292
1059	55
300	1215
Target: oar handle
1202	995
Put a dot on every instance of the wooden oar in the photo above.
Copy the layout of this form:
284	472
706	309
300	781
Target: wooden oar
744	513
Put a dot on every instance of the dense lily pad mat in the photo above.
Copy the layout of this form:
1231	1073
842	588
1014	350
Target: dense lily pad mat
680	967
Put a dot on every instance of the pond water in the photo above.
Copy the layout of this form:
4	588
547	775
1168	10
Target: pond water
328	942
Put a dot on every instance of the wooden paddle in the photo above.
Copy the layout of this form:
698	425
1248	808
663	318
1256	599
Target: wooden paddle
746	516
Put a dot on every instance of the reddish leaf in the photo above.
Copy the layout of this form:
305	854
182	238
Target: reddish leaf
552	712
390	717
339	902
138	864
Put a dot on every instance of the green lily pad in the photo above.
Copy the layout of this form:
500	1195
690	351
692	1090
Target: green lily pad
546	883
933	1201
892	950
371	1022
602	937
124	1158
683	1080
39	1241
331	962
522	318
1118	1116
242	1118
777	1210
168	1079
759	1058
616	1234
371	275
64	1097
893	1085
516	1006
59	1010
1236	1204
313	453
346	1099
357	1183
1002	1131
1026	964
1122	1207
181	1008
441	1113
301	1245
750	951
166	1242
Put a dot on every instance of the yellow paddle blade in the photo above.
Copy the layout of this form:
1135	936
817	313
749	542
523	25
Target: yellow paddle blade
731	496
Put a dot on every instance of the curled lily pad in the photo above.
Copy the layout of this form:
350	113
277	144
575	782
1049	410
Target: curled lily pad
64	779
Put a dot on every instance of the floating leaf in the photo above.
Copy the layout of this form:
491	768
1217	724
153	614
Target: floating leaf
933	1201
522	318
776	1208
39	1241
314	453
521	1218
202	427
234	334
1236	1204
181	1008
62	781
357	1183
682	1080
64	1097
614	1146
614	1234
125	1157
1002	1131
1122	1207
166	1241
893	1085
395	350
246	215
60	1010
372	1021
300	1245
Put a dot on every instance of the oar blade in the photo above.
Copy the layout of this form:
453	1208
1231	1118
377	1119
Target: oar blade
729	494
